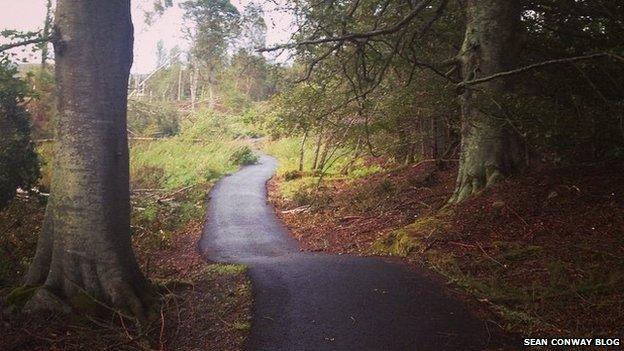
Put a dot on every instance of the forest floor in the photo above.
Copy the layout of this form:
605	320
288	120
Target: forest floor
544	251
167	227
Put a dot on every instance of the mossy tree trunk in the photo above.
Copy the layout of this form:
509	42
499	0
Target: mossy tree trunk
490	150
85	245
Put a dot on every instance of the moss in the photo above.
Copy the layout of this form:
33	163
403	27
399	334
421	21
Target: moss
225	269
398	243
416	236
18	297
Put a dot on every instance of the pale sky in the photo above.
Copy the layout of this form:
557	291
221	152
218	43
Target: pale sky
29	15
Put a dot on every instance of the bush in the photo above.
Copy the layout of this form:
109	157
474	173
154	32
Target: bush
244	156
19	164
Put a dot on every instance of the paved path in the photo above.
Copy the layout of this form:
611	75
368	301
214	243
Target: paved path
308	301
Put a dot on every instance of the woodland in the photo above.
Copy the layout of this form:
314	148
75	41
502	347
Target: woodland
482	141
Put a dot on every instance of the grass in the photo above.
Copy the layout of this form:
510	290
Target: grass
287	150
175	163
301	187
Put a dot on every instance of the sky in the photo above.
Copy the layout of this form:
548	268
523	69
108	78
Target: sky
29	15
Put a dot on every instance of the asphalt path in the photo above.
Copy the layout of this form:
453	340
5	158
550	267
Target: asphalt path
311	301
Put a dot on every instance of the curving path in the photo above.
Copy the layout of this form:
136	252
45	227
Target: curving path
309	301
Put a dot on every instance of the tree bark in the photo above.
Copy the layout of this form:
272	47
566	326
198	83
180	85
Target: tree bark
302	149
85	245
325	148
319	142
489	148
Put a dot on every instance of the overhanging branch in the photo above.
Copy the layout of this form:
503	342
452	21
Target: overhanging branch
539	65
355	36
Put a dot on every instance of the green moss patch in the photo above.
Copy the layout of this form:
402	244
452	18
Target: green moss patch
416	237
225	269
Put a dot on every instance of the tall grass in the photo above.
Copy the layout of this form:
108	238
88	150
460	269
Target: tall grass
208	146
175	163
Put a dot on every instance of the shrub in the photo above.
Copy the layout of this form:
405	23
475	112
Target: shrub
244	156
19	164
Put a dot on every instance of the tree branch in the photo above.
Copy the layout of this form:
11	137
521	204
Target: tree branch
354	36
39	40
539	65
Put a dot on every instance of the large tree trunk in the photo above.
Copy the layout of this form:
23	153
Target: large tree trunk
85	245
489	149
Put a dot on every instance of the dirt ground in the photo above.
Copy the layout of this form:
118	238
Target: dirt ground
204	306
543	250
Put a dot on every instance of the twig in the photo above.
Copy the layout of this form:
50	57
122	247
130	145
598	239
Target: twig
170	197
146	190
462	244
297	210
162	329
517	215
490	257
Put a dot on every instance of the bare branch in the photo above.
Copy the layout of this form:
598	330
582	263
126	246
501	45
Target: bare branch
10	46
539	65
